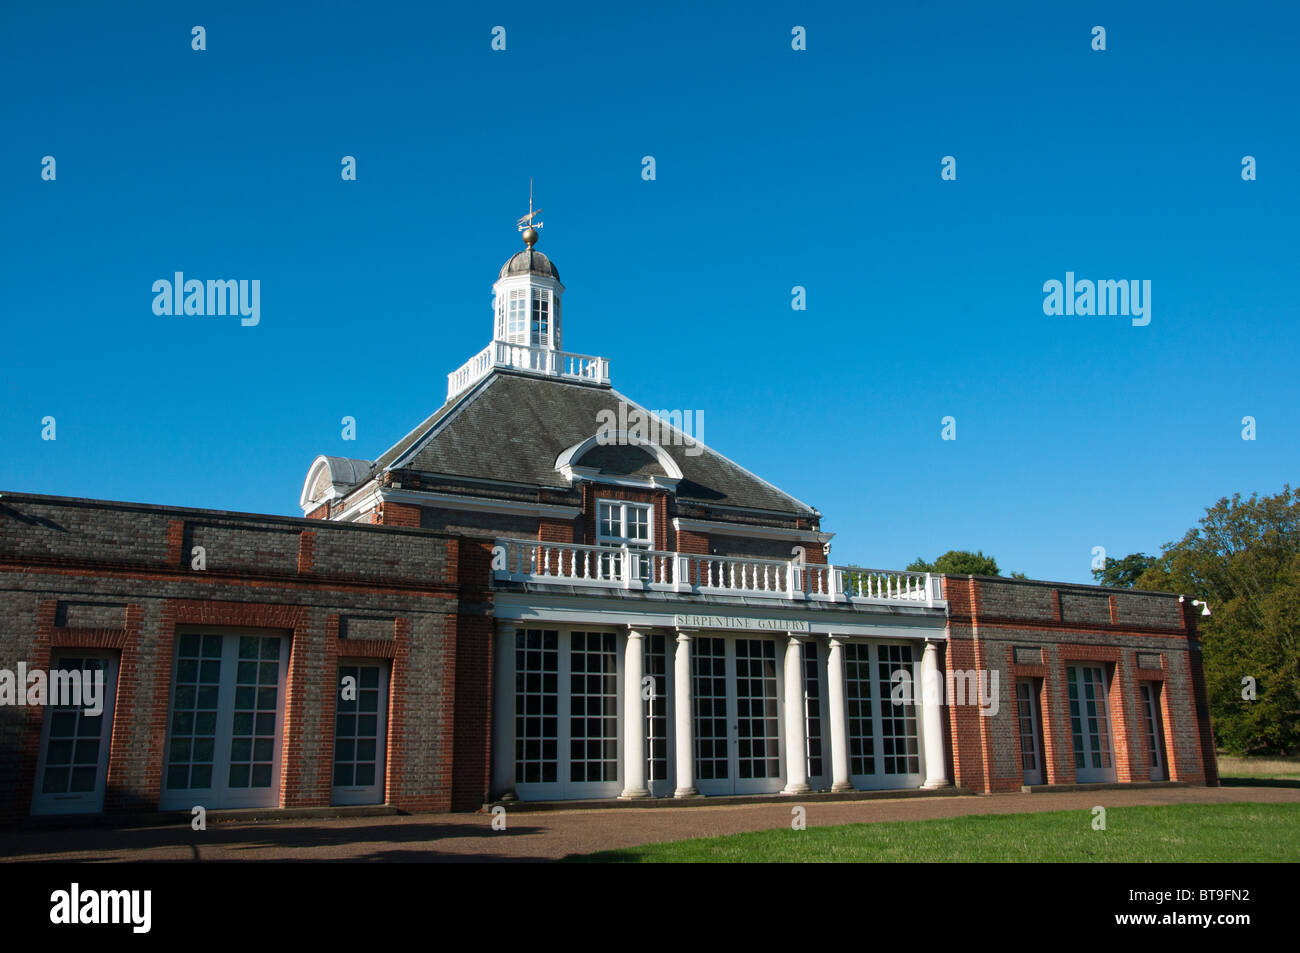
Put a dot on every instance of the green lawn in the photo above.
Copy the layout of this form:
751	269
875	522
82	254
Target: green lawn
1255	768
1185	832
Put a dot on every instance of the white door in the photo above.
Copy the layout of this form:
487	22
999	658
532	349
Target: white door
1155	731
360	733
883	733
1031	747
567	707
1090	723
73	763
225	721
736	710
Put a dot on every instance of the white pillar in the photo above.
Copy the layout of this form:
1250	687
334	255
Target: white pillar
936	767
838	714
633	718
796	752
503	713
683	717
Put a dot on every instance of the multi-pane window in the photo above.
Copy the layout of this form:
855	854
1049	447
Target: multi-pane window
74	753
1154	730
656	669
1089	722
758	753
517	317
541	318
194	712
360	733
812	709
898	735
857	697
1031	762
224	725
620	524
709	704
593	707
536	711
252	735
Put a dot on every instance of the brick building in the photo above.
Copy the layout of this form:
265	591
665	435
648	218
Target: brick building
545	591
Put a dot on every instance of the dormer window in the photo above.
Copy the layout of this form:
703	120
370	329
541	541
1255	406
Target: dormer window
620	524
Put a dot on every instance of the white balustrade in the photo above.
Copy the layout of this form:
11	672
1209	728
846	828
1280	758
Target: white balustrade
536	561
524	357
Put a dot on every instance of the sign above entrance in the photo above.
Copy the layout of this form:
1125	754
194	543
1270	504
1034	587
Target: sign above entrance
739	622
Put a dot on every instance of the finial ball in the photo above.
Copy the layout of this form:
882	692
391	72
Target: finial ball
530	236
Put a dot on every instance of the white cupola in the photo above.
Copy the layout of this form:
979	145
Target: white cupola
526	299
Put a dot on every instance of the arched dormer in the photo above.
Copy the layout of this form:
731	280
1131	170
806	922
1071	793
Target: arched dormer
330	478
620	458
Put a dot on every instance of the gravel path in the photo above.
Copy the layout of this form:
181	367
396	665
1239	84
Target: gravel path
545	835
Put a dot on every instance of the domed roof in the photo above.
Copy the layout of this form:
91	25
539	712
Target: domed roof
529	262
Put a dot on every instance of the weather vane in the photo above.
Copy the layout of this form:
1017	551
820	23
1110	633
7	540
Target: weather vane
526	223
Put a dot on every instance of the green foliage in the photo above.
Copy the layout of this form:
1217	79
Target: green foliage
1123	573
1244	560
959	562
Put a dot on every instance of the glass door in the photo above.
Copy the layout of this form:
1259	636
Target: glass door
756	728
360	733
1031	747
224	737
1155	731
736	704
1090	723
567	714
883	735
73	763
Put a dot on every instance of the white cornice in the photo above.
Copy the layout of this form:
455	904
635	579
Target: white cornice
751	531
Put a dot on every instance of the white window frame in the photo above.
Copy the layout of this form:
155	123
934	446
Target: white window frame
540	301
221	794
77	802
518	318
373	793
611	565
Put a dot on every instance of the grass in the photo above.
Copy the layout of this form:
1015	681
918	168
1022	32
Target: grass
1282	768
1175	833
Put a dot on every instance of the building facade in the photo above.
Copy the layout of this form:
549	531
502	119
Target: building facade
548	592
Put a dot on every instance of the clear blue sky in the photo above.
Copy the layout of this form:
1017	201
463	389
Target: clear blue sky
775	168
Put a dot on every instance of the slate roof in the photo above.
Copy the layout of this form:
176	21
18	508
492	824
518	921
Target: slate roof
511	427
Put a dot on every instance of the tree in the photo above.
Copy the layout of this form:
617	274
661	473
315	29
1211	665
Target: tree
959	562
1244	560
1123	573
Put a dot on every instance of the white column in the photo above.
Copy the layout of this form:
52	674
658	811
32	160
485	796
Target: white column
838	712
683	717
633	718
936	767
796	752
503	714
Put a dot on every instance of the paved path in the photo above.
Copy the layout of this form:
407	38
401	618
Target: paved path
547	834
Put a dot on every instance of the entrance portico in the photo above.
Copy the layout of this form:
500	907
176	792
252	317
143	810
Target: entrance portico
635	700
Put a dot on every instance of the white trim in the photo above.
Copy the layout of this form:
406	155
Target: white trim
564	463
748	530
862	621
